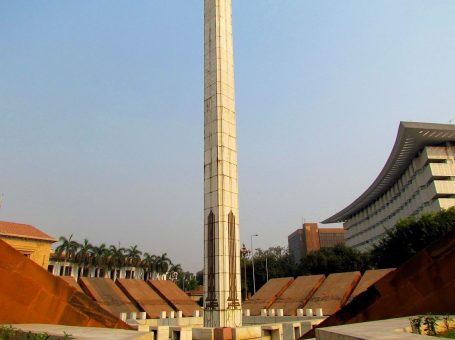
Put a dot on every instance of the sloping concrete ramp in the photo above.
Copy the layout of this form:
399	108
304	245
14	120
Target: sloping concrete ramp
144	296
107	294
369	278
334	292
30	294
174	296
72	282
267	295
423	284
298	294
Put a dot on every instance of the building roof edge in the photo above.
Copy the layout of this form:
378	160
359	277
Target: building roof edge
411	138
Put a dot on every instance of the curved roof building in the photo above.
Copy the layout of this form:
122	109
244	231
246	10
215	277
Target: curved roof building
418	177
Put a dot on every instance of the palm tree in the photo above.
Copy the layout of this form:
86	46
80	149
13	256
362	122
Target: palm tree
162	264
100	256
175	271
83	256
116	258
148	265
68	248
133	256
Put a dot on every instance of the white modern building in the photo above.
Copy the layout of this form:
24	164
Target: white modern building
418	177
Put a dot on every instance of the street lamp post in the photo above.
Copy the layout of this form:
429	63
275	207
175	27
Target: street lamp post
252	261
245	253
266	266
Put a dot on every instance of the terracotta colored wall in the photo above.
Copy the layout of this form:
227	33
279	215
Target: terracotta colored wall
334	292
174	296
144	296
298	294
425	283
29	294
267	295
72	282
108	295
369	278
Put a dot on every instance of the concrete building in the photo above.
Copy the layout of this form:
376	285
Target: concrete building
330	237
222	299
58	267
418	177
311	238
28	240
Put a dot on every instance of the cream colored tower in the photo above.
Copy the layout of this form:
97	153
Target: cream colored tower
222	299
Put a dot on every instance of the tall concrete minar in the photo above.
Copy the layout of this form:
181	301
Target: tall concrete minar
222	300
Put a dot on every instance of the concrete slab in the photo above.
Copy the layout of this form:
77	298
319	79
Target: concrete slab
83	332
174	296
267	295
203	333
160	332
108	295
144	296
369	278
334	292
247	333
391	329
180	333
298	294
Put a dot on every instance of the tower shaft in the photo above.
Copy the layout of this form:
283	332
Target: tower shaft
222	299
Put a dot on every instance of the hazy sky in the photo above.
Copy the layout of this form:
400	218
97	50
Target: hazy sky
101	115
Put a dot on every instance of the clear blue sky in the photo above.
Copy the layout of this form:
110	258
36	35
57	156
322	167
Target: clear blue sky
101	115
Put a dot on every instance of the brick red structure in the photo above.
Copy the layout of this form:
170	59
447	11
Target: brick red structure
425	283
267	295
174	296
369	278
107	294
334	292
144	296
298	294
29	294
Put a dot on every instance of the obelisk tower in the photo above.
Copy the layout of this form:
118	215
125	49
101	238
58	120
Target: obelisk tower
222	299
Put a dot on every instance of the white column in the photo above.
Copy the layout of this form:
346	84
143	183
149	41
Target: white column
222	299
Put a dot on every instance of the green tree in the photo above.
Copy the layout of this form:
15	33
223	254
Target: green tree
100	257
83	256
410	236
116	259
337	259
133	256
67	249
162	264
148	264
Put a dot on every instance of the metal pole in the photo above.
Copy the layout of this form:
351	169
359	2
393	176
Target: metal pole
266	265
252	261
246	287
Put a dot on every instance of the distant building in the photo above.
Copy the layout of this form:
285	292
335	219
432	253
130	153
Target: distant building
418	177
28	240
311	238
329	237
